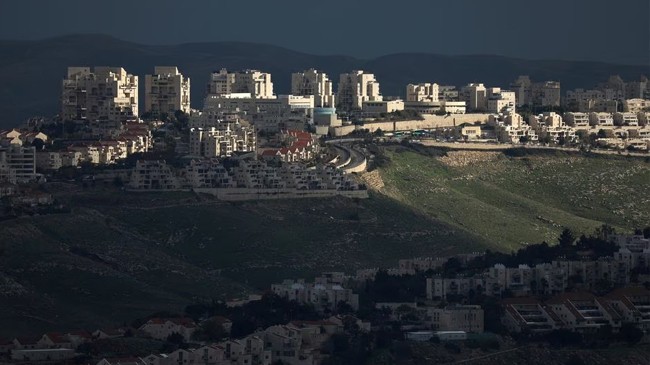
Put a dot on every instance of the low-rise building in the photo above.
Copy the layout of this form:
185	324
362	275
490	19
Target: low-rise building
162	328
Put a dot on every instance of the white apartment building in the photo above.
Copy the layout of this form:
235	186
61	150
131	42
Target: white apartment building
476	97
321	294
637	105
254	82
425	92
315	83
153	175
627	119
356	87
601	119
108	95
577	120
501	101
547	93
166	91
222	141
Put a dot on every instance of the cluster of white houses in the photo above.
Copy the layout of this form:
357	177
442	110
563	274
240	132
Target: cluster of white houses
614	130
254	175
551	278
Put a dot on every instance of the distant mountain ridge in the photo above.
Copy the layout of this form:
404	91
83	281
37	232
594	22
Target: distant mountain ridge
31	71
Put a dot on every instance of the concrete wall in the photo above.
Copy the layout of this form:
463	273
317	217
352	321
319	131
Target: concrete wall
272	194
359	168
430	121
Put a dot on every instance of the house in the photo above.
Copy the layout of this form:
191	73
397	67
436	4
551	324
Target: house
528	314
79	337
54	340
162	328
26	343
106	333
633	304
122	361
38	355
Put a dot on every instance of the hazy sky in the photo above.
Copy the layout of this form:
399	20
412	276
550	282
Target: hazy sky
600	30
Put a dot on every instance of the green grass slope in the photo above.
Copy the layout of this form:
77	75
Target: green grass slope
510	201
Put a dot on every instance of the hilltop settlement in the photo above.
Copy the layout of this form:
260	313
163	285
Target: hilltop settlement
247	143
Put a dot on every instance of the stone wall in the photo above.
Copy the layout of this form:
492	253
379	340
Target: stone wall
429	122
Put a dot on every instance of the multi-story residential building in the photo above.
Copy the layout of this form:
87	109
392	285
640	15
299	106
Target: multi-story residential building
258	84
632	304
583	312
315	83
105	95
153	175
601	119
577	120
637	105
501	101
222	141
638	89
546	93
422	92
166	91
18	164
356	87
322	294
467	318
475	95
447	93
528	314
626	119
552	125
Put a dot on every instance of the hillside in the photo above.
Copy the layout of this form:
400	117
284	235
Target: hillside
510	201
32	71
148	252
119	256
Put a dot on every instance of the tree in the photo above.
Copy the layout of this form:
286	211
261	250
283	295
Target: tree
630	333
646	232
176	338
566	238
209	331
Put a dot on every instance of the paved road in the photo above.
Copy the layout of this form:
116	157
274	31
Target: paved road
356	157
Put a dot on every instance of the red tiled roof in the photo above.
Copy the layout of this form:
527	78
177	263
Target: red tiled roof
56	337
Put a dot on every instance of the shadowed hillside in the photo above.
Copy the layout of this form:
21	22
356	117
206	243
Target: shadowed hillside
31	71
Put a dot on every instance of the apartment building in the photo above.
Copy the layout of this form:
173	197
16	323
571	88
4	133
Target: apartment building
466	318
256	83
314	83
18	164
632	304
601	119
626	119
222	141
528	314
501	101
475	95
322	294
166	91
106	95
577	120
356	87
153	175
424	92
547	93
637	105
